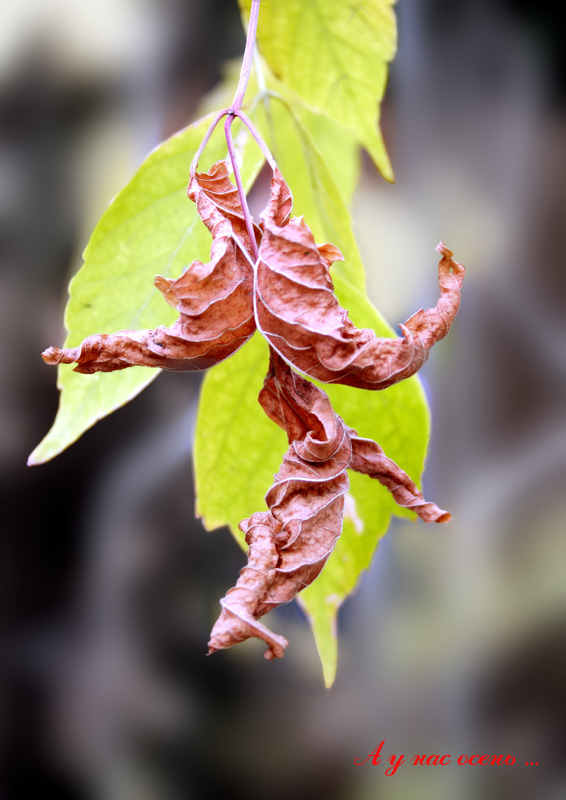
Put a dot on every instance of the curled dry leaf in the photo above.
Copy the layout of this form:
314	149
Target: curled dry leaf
290	544
368	458
291	298
299	314
214	300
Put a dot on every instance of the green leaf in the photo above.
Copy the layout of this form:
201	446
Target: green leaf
238	450
316	194
336	146
150	228
334	55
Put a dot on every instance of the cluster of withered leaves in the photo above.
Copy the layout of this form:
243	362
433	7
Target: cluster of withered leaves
289	296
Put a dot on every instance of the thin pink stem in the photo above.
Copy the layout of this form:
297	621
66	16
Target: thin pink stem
239	184
210	131
255	133
248	58
233	112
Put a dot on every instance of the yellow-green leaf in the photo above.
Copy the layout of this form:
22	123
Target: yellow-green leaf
334	55
150	228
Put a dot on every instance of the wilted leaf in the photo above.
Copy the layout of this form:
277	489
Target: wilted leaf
214	300
290	544
299	314
369	459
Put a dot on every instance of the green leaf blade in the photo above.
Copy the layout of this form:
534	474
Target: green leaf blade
237	448
334	55
150	228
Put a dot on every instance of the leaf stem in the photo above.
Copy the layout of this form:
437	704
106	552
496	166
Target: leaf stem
235	111
239	184
248	58
255	133
208	134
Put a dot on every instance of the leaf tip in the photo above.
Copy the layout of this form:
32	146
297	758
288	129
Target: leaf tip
443	250
40	455
388	174
52	355
329	673
323	622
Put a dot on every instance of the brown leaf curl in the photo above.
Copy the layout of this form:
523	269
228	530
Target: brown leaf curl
368	458
290	544
214	300
298	313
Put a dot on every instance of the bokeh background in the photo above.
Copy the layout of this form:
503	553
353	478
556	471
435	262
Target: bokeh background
454	641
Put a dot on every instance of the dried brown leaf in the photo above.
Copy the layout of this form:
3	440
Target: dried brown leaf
306	506
368	457
216	197
214	300
290	543
297	310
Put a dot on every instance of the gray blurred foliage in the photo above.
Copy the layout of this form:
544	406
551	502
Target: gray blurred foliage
454	641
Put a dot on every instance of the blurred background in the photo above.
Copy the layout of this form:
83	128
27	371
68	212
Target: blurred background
454	641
